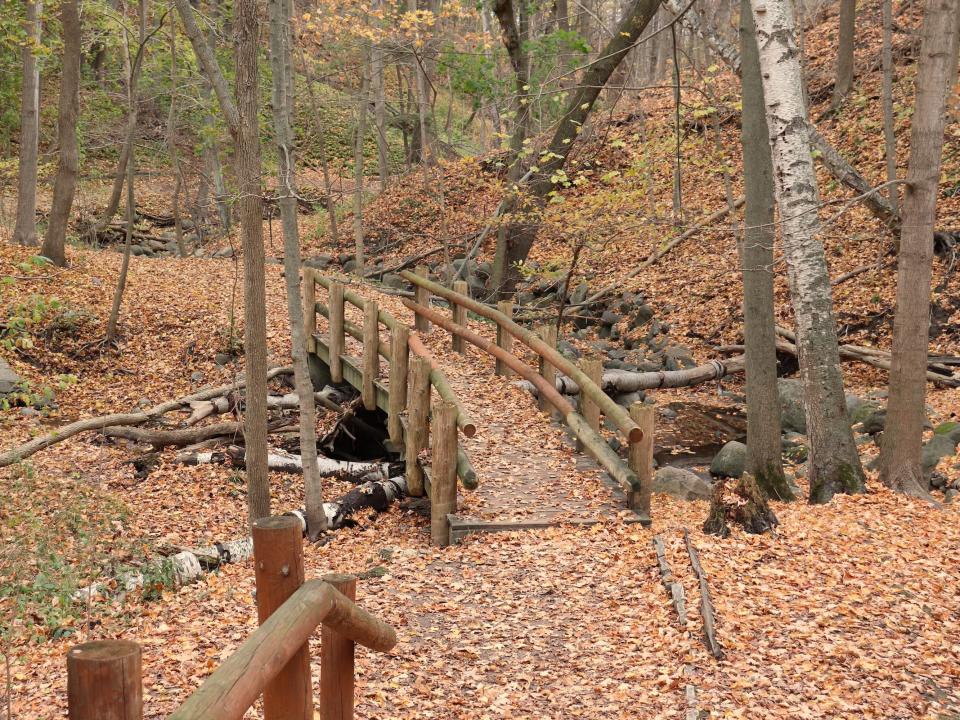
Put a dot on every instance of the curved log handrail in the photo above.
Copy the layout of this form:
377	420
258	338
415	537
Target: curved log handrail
238	682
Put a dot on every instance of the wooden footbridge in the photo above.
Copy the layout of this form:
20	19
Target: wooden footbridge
521	484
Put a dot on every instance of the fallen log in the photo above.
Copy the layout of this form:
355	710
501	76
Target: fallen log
179	567
135	418
624	381
329	397
177	438
706	601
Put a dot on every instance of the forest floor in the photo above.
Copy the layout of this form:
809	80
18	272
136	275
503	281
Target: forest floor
849	610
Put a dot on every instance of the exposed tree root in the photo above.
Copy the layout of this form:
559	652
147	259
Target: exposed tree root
742	504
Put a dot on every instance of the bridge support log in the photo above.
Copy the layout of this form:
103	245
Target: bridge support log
104	681
459	316
336	340
422	296
399	367
593	369
371	354
443	472
641	461
504	339
418	423
547	371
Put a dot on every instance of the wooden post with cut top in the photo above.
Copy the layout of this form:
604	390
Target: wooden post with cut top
399	365
335	301
547	370
337	661
593	369
641	461
459	316
104	681
278	567
418	422
371	354
422	296
504	338
443	472
310	308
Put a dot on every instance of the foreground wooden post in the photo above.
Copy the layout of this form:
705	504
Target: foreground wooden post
399	364
641	461
337	661
443	472
548	371
371	354
104	681
278	562
422	296
593	369
418	423
459	315
504	338
310	308
335	297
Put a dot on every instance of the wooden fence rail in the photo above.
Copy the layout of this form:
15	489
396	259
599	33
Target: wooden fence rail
104	677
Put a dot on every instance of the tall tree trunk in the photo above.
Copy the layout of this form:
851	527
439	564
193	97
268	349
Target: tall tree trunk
848	27
364	100
172	143
522	228
900	466
834	462
379	107
889	135
25	231
68	110
133	64
756	258
281	62
242	119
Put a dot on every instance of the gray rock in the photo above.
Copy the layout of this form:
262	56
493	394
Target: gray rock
350	265
136	250
668	413
524	297
29	412
681	484
677	357
628	399
222	359
641	317
196	376
9	380
226	252
579	294
869	418
731	461
949	495
941	445
609	318
618	354
392	280
792	414
319	262
568	350
485	268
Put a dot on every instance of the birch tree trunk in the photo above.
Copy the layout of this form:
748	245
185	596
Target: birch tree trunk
756	258
834	462
281	61
900	466
25	231
69	109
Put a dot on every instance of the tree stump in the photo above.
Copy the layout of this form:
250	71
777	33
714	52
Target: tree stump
742	504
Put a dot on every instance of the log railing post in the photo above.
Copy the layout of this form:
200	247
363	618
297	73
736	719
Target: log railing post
371	354
443	472
399	364
641	461
310	307
548	371
278	567
459	316
335	301
593	369
504	338
337	661
418	422
104	681
422	296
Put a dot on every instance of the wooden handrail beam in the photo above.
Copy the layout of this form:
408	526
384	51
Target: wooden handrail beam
238	682
616	413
